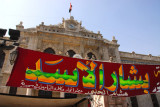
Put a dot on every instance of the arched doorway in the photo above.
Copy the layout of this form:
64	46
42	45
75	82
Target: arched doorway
49	50
42	93
70	53
90	55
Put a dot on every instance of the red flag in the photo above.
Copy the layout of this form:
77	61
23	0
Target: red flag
70	9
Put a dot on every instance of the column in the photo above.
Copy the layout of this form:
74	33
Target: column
29	92
82	48
6	70
117	55
105	53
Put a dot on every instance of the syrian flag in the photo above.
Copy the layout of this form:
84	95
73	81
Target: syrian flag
70	9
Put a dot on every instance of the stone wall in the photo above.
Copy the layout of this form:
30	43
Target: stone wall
139	58
62	38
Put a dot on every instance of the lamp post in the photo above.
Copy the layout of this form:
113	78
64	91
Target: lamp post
14	36
13	57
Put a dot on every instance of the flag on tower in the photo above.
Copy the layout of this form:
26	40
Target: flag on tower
70	9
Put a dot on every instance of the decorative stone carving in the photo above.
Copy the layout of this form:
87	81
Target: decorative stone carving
150	55
42	23
133	53
21	23
114	39
72	18
20	26
110	59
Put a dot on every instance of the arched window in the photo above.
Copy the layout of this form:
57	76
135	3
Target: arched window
90	55
70	53
49	50
2	57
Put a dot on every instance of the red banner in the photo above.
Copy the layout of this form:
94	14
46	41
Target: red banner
44	71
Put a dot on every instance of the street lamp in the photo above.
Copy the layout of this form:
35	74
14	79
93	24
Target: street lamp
14	36
13	57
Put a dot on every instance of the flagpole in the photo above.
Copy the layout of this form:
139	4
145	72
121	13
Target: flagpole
70	9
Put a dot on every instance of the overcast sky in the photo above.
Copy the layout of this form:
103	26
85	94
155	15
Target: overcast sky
135	23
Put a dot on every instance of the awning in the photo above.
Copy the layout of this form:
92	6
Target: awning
7	100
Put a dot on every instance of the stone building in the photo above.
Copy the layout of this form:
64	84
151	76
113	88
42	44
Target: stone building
69	38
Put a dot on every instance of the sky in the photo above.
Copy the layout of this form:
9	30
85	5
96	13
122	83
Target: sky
134	23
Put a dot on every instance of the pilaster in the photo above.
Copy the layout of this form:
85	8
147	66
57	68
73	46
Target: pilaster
82	48
118	59
105	53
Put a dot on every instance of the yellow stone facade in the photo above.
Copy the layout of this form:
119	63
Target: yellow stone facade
71	35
